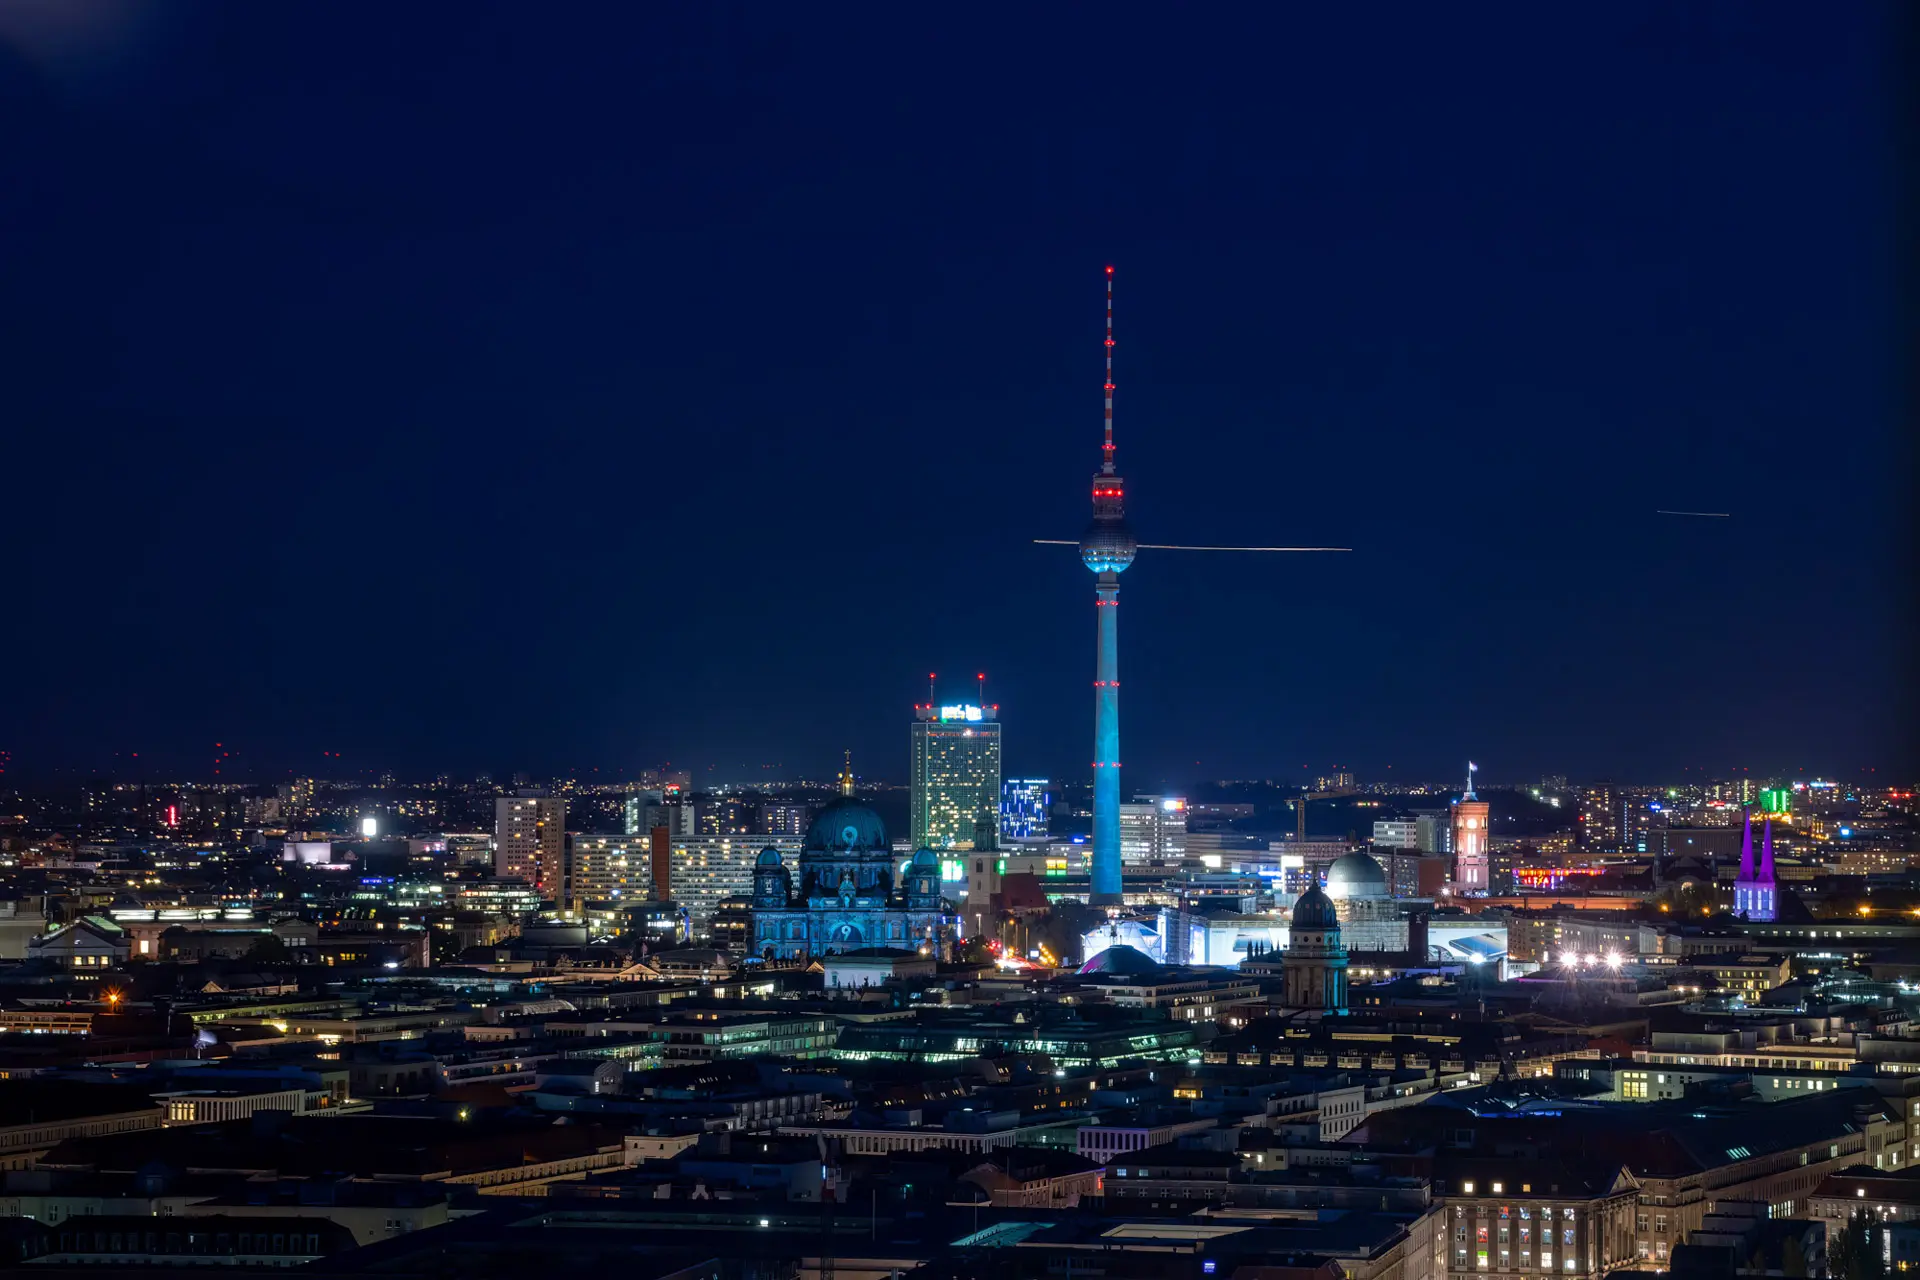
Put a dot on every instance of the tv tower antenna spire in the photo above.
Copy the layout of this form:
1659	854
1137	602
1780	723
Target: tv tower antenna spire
1106	459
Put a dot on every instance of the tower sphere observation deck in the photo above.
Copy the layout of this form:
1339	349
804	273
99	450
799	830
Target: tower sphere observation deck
1108	545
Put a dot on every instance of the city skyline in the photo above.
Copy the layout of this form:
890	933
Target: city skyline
547	727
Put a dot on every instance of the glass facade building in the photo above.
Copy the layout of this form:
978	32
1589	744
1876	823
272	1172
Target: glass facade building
1024	803
956	777
1153	831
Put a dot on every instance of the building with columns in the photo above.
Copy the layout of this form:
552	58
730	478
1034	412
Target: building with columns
1314	968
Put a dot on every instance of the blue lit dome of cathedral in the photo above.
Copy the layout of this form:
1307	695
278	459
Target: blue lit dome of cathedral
849	892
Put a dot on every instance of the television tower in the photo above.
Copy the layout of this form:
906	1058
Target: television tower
1107	548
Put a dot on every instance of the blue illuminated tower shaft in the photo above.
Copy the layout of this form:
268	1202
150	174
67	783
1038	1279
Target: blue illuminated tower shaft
1106	743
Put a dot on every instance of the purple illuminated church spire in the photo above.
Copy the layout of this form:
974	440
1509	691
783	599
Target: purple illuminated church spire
1755	891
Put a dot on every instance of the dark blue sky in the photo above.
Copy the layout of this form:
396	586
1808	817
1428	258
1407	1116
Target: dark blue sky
472	386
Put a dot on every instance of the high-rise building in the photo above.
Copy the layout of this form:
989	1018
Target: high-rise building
784	818
706	870
724	816
660	865
679	816
258	811
956	777
1153	831
1391	833
1024	808
1600	818
529	841
296	798
1640	817
1739	791
1433	830
635	810
1472	872
607	868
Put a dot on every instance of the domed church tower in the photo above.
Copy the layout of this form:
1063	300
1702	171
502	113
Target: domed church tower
1314	969
923	881
772	884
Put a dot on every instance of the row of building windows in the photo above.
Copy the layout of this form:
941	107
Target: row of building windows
200	1242
1525	1237
1483	1262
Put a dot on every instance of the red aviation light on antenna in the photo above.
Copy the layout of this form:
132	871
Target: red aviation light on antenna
1109	270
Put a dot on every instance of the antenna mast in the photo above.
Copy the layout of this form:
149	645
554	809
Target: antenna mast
1106	457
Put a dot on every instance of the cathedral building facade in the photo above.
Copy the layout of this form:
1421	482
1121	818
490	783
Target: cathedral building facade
848	892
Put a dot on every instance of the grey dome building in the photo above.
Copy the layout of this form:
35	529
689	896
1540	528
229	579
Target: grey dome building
1356	875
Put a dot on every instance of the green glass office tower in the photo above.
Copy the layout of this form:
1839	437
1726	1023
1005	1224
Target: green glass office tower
956	777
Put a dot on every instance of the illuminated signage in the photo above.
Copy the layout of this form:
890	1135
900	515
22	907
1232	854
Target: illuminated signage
964	712
1775	799
1173	806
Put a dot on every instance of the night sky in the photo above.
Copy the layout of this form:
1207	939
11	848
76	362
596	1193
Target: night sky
513	387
